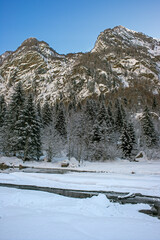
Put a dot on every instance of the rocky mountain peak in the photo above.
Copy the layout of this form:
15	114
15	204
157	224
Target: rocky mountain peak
30	42
4	56
124	38
120	59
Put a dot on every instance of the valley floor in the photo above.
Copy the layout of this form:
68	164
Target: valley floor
28	215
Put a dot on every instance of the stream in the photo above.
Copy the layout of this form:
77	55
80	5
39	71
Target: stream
119	197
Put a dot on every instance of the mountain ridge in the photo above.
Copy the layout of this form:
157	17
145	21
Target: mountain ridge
120	59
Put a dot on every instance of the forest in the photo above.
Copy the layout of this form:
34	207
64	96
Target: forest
95	130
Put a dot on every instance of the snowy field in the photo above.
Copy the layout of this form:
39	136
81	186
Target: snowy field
124	176
31	215
144	166
133	183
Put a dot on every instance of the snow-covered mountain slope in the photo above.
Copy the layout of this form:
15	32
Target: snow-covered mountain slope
121	60
132	56
4	56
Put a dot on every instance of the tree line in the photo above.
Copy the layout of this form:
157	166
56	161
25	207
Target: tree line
93	131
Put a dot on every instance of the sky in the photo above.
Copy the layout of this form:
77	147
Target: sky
70	26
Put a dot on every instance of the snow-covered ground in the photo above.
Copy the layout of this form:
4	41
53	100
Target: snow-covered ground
132	183
121	175
31	215
144	166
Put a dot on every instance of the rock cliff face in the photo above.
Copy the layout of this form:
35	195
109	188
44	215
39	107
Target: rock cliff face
122	62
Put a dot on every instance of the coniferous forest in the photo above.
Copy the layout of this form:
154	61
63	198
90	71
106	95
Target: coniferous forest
95	130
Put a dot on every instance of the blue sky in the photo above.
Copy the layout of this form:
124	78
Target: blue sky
73	25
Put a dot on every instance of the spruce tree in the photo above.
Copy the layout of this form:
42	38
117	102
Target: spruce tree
96	145
102	114
89	119
90	111
127	140
15	121
148	129
96	134
46	114
60	121
131	133
102	120
39	113
3	110
119	120
154	104
79	106
72	106
123	113
32	146
110	118
3	107
78	139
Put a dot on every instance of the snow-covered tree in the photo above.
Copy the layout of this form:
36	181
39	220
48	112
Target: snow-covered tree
131	133
102	115
110	123
39	113
89	118
79	136
32	146
96	133
97	146
15	121
60	121
127	141
149	133
3	109
119	120
46	114
154	104
52	142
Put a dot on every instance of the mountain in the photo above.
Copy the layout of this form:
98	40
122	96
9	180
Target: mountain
4	56
123	63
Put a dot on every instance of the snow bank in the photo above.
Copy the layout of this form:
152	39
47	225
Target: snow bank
28	215
133	183
119	166
57	161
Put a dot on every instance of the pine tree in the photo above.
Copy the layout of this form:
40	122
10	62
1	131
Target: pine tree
96	134
103	120
46	114
3	109
32	146
89	119
79	135
39	113
60	121
154	104
79	106
15	121
96	146
123	113
127	140
90	111
72	106
110	118
148	129
102	114
131	133
119	120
